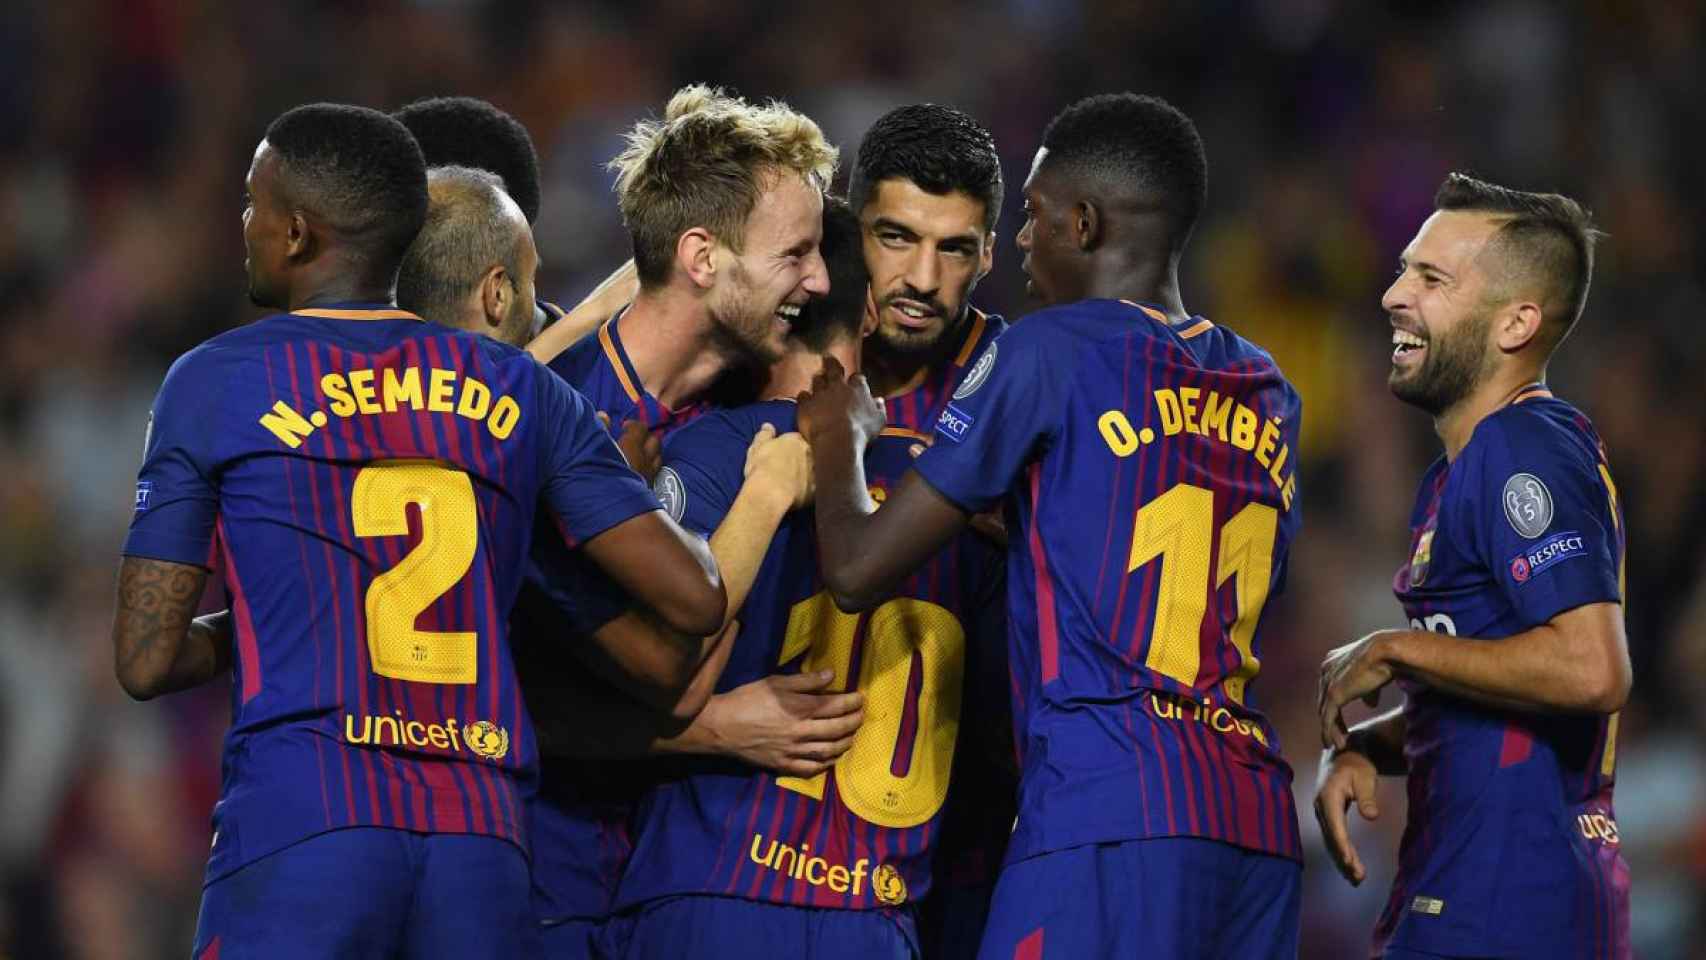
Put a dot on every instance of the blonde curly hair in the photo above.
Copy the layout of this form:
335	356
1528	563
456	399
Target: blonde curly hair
705	165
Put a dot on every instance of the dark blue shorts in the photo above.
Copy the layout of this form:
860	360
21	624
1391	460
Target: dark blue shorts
582	940
706	926
1178	897
951	920
373	892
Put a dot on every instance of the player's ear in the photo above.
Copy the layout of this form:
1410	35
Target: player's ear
868	322
1517	324
496	294
296	239
1086	225
696	256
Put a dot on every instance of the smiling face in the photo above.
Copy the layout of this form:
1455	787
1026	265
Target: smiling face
925	253
266	225
1440	312
760	290
1053	273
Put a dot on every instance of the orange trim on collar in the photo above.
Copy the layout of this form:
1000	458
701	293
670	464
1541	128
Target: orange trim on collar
1537	393
1196	329
979	321
391	313
923	438
1185	333
616	360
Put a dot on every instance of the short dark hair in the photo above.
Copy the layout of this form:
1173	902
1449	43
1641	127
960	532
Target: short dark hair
1139	141
465	234
470	132
938	148
1547	239
838	314
356	170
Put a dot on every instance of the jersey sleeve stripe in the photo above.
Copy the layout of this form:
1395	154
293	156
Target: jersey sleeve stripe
1047	630
248	650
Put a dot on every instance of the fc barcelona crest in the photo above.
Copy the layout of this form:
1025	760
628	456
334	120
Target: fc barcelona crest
1419	560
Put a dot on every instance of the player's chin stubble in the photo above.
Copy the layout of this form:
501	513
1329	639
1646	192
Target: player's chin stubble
1456	363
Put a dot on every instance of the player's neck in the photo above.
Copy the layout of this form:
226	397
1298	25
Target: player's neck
1456	425
894	373
319	288
669	340
1143	280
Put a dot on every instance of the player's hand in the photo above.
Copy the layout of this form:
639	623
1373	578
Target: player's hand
1354	671
1346	777
788	723
834	403
785	461
642	448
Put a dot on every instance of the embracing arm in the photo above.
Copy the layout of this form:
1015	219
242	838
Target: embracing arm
157	647
611	294
1577	662
665	568
865	552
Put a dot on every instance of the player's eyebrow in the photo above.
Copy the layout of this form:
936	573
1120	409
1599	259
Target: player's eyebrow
884	223
1404	263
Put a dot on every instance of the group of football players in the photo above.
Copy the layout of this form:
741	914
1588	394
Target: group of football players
776	600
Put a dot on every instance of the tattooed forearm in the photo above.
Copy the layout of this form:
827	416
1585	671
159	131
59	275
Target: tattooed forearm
156	600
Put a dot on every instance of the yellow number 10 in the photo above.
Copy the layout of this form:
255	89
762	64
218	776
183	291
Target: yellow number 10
1177	528
450	526
864	776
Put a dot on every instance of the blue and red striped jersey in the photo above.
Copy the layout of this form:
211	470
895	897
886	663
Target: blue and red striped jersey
372	480
580	815
1148	473
598	366
862	835
1511	842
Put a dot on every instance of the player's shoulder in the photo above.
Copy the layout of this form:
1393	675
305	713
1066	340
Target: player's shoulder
578	360
1538	429
729	428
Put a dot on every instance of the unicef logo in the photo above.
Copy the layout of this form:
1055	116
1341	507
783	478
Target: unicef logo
486	739
1528	504
979	373
671	492
889	885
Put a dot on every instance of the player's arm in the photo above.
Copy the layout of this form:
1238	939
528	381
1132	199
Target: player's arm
1347	776
609	296
667	676
865	553
790	723
159	646
1577	662
778	478
667	570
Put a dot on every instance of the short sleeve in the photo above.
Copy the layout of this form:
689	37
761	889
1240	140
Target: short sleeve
1545	522
704	466
177	491
588	484
1004	412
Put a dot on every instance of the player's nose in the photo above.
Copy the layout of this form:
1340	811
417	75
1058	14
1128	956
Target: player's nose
923	273
816	279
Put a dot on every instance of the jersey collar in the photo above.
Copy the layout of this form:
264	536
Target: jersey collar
358	311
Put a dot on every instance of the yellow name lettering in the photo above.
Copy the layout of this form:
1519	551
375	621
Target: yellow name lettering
366	397
442	387
336	389
476	400
402	388
1167	405
1117	431
1188	408
505	413
1244	428
1270	437
287	425
1216	411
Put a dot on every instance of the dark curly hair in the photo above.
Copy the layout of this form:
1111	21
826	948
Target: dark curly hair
358	172
938	148
1141	142
470	132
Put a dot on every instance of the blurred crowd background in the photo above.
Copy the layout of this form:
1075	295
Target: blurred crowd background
126	127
